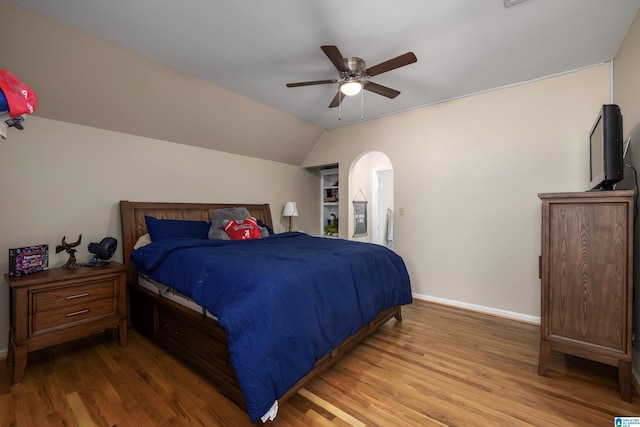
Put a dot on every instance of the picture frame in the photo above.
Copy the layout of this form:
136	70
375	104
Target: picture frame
360	218
28	259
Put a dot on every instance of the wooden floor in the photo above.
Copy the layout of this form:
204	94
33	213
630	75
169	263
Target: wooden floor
438	367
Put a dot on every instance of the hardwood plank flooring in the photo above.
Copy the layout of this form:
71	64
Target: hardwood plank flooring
440	366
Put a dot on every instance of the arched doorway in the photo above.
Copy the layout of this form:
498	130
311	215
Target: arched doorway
371	180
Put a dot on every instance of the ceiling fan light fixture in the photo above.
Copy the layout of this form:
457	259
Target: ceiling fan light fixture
351	88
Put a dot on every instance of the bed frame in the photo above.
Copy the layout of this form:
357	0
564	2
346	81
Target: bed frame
195	337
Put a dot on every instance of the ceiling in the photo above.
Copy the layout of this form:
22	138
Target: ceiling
254	47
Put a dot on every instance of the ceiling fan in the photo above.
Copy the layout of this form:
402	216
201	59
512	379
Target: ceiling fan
354	76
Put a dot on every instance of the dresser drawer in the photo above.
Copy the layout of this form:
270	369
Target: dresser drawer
51	299
197	344
73	313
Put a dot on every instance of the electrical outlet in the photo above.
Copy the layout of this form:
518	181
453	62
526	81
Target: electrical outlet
401	211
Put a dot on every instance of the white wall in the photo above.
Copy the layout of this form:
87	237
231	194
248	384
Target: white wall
467	173
59	179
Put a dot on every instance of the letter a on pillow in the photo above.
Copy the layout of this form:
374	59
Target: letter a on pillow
243	229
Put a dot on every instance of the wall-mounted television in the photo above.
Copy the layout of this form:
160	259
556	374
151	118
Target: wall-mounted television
605	147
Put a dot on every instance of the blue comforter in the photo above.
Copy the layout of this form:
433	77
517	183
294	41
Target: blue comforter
285	300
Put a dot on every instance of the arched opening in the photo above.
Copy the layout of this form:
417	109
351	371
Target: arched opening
371	181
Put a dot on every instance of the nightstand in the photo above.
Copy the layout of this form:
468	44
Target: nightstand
59	305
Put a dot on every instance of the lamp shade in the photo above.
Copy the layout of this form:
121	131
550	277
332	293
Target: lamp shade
351	88
290	209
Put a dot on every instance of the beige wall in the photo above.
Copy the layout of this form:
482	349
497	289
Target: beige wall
81	79
59	179
627	79
467	173
627	96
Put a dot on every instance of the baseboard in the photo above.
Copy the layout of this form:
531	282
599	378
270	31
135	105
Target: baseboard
482	309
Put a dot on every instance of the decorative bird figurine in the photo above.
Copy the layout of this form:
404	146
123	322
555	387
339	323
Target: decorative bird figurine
69	248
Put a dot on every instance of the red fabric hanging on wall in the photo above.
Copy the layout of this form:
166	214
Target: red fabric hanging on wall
20	97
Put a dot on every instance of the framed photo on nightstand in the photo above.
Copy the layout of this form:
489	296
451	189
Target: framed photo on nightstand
29	259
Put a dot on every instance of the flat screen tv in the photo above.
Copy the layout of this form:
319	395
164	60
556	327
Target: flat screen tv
605	145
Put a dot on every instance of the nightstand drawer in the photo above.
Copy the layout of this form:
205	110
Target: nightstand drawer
50	299
73	313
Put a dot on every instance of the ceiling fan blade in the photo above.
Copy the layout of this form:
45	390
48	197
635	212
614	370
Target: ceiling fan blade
381	90
314	82
337	100
336	57
392	64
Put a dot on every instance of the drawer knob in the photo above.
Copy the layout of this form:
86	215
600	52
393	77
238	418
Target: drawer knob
78	296
75	313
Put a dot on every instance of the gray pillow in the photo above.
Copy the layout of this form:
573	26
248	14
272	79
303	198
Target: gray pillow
218	235
216	231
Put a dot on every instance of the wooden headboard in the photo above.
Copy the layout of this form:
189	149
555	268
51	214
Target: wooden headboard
133	224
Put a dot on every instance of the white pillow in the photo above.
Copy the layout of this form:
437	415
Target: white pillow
143	240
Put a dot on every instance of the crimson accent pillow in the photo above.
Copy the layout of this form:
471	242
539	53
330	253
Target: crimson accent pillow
242	229
216	232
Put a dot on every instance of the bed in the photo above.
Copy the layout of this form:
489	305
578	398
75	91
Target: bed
185	308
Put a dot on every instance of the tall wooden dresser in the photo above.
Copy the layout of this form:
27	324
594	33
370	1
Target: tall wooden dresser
587	279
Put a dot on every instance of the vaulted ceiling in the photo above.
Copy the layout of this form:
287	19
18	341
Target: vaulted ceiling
254	48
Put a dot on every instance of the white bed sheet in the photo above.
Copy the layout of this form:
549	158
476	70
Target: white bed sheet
171	294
